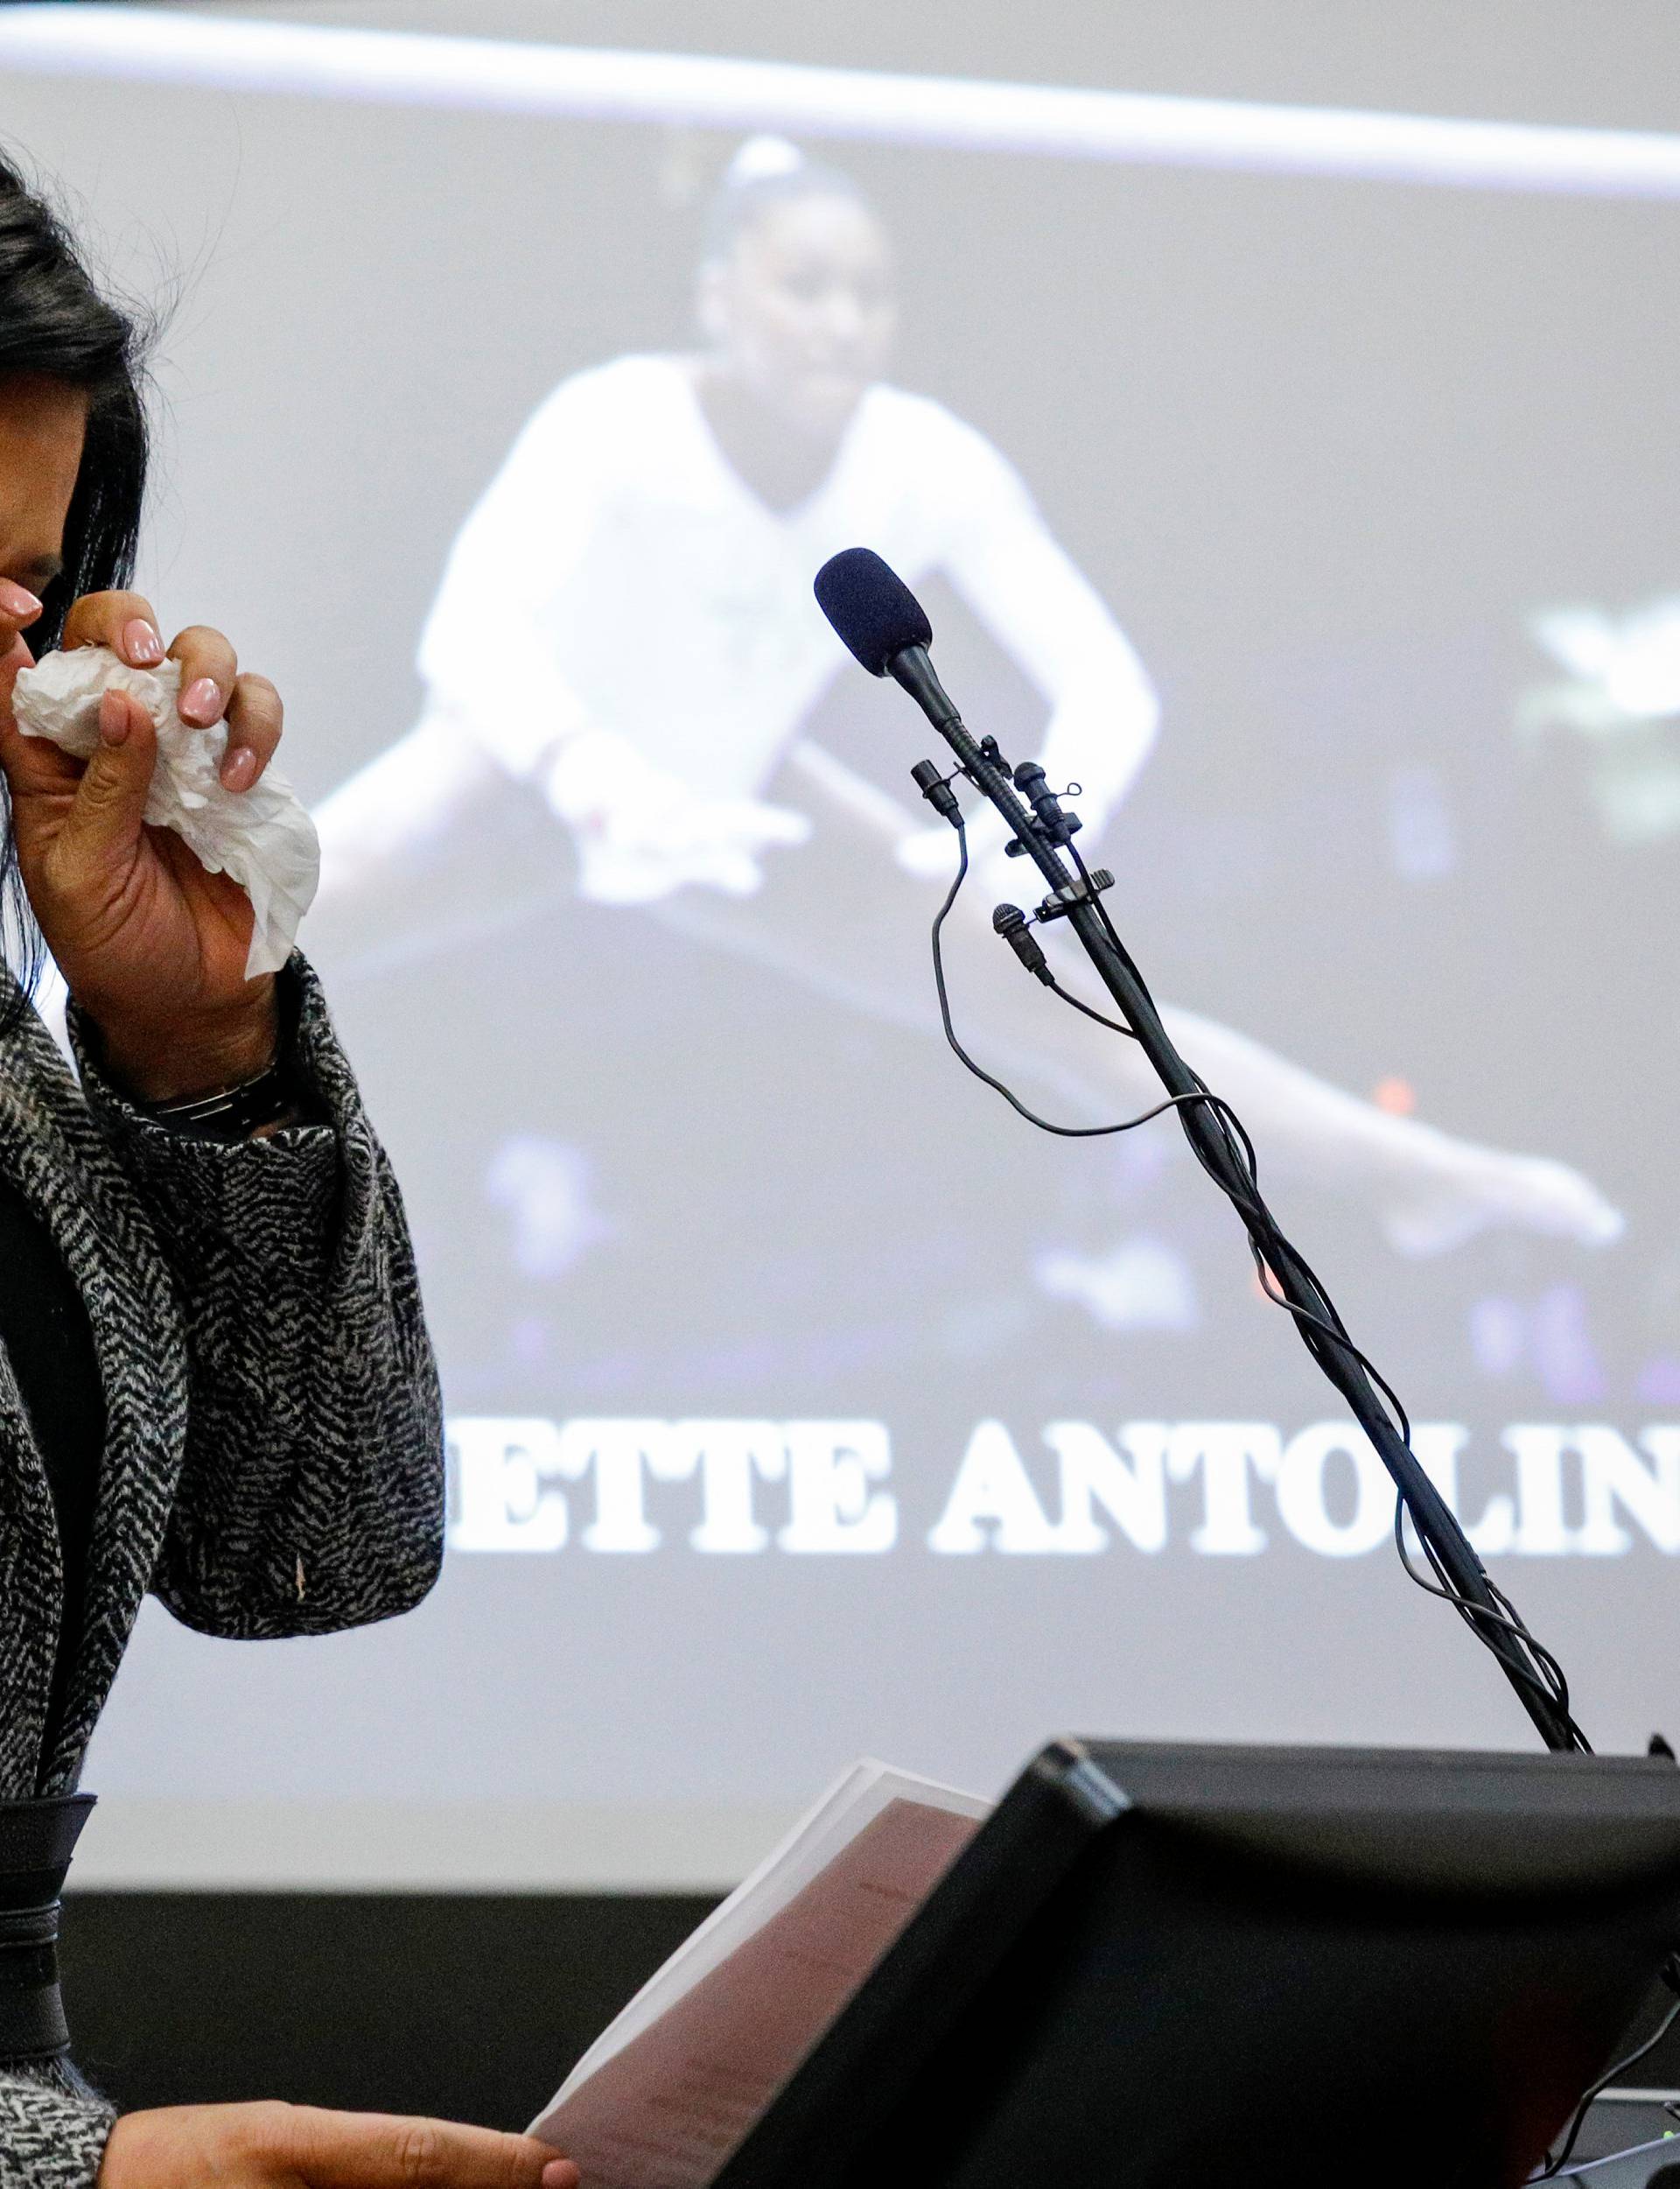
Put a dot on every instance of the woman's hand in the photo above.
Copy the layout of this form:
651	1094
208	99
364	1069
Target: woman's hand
276	2146
150	945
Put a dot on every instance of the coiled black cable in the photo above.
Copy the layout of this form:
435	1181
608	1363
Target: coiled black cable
1497	1624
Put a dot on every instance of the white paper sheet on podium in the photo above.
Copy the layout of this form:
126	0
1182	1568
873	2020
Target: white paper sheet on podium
670	2088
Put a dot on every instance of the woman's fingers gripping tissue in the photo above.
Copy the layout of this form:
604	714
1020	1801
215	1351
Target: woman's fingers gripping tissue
124	621
255	721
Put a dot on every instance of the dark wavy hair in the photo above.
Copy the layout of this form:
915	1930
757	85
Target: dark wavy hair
56	324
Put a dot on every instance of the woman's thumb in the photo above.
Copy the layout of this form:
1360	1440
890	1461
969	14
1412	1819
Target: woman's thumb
109	805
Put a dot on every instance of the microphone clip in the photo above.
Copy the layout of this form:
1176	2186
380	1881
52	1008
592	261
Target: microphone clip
1053	825
936	789
1061	902
1049	823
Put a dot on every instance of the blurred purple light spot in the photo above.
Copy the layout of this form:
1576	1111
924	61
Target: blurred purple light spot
1659	1381
1498	1335
1564	1356
545	1187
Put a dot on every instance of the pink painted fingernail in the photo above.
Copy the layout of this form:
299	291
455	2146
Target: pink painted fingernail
16	601
114	719
142	644
201	701
238	770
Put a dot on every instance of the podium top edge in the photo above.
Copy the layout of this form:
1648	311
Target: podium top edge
1204	1774
1333	1755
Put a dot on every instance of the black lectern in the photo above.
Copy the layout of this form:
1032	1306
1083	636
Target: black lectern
1167	1967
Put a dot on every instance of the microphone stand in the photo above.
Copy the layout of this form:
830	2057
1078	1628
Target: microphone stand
1041	833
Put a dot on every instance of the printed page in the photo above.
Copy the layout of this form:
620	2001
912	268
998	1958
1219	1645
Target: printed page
667	2107
857	1797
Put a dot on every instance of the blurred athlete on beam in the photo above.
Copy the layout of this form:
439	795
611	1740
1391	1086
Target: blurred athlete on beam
625	650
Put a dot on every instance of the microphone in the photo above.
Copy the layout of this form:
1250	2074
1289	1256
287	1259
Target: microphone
1009	922
882	623
871	608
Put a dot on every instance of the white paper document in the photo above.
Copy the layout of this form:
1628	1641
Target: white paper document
669	2089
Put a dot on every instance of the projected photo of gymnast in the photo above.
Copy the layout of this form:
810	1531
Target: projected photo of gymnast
624	655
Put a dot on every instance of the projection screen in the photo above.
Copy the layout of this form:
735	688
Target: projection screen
1296	478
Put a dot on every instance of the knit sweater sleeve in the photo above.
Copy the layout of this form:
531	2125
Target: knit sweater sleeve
52	2128
311	1495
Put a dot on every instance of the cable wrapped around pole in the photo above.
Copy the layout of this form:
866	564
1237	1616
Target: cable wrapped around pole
1444	1541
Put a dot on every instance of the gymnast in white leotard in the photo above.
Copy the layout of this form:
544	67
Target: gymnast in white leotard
626	641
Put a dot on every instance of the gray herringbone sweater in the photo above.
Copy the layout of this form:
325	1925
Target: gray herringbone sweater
273	1459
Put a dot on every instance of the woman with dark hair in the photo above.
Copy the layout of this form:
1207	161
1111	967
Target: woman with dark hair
216	1381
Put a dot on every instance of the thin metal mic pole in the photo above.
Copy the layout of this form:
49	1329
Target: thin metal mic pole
1431	1513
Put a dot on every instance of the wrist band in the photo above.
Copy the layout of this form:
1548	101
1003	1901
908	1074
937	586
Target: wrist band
36	1839
231	1114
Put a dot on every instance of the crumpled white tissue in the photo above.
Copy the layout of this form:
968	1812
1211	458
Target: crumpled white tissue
262	837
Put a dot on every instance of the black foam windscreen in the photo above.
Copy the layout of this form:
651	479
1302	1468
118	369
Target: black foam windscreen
870	608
